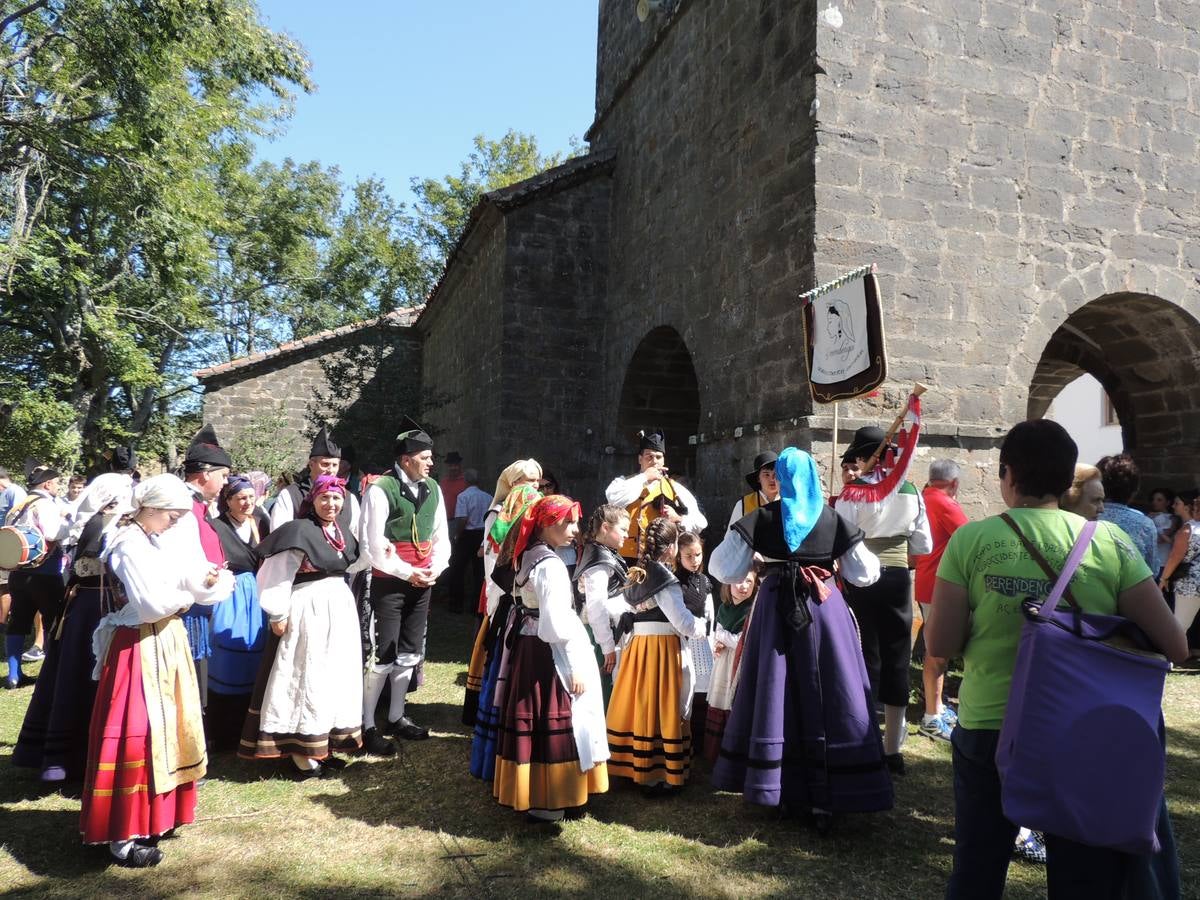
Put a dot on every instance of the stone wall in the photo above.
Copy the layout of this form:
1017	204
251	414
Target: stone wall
461	327
355	382
711	215
1006	164
558	247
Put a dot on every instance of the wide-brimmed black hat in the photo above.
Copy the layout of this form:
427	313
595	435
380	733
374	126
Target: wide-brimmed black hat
324	446
865	441
411	439
204	452
40	475
764	459
652	440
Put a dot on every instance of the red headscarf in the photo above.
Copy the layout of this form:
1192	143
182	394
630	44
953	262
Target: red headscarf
550	510
322	484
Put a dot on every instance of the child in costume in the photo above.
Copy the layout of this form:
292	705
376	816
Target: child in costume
600	575
698	597
737	601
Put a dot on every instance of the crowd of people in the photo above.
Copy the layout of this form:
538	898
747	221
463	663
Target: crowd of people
185	615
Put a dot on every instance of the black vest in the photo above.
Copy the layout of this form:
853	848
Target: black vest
830	538
597	556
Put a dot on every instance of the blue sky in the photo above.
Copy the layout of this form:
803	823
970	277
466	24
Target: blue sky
404	86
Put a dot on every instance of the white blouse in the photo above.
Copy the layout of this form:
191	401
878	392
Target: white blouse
731	562
670	601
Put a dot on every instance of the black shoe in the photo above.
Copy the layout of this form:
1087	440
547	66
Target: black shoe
407	729
140	857
332	764
23	681
375	744
549	827
895	763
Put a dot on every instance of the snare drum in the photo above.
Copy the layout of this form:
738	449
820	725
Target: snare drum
21	547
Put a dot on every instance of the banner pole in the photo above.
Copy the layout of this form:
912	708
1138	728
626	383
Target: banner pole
834	470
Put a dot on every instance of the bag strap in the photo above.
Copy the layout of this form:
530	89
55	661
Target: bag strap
1062	580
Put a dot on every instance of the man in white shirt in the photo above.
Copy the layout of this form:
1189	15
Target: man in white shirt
653	493
325	458
39	589
405	537
466	564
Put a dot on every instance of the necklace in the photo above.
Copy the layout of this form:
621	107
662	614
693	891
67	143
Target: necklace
336	540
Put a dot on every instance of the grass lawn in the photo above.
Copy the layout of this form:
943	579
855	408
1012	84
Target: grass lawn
419	826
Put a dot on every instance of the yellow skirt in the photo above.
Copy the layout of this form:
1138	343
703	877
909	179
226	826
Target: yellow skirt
650	742
478	659
525	786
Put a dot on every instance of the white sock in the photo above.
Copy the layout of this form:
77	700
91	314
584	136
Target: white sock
399	679
120	849
372	690
895	728
305	763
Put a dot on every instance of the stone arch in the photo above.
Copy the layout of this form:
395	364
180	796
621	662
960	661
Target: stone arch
661	389
1145	351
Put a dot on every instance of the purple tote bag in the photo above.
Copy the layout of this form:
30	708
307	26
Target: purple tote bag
1080	753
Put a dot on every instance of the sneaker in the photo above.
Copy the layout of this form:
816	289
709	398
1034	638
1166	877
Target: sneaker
33	654
1031	848
937	728
949	716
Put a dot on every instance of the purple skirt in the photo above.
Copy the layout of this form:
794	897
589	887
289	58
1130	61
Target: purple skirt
801	731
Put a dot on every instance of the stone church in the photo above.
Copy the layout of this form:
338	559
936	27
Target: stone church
1024	175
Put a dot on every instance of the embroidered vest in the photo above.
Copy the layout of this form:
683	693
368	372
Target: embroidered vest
409	527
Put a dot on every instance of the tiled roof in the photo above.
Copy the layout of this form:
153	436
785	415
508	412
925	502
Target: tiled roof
401	317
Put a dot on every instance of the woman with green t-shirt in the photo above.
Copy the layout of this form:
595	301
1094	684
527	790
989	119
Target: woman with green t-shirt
982	580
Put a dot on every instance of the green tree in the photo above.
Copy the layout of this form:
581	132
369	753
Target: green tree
114	116
444	205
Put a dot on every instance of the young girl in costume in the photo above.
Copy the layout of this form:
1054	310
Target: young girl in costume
802	733
307	699
737	601
502	535
697	596
648	728
600	575
146	749
520	473
552	748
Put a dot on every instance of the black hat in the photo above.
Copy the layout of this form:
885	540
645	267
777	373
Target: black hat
764	459
40	475
454	457
324	445
865	442
204	452
652	440
122	459
411	439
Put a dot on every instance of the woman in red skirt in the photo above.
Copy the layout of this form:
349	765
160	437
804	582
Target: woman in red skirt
146	745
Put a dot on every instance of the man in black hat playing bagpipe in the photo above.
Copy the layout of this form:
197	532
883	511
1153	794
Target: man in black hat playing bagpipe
325	458
405	536
890	511
38	588
653	493
764	488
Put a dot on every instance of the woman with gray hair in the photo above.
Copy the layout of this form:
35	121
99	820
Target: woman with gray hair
147	751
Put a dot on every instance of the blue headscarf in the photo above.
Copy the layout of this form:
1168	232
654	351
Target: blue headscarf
799	494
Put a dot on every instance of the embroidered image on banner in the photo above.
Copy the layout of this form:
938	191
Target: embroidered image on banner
844	339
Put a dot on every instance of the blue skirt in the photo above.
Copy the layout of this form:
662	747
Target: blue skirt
487	716
238	635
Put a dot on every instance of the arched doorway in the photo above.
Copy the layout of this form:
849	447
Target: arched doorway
661	390
1145	352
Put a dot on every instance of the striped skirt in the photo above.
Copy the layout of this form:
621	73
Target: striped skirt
119	801
475	673
649	739
537	763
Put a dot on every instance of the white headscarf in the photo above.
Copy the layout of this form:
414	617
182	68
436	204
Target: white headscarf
103	490
162	492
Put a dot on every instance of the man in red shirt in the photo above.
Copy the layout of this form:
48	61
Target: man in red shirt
945	517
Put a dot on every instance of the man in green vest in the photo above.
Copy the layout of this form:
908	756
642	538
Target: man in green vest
405	536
